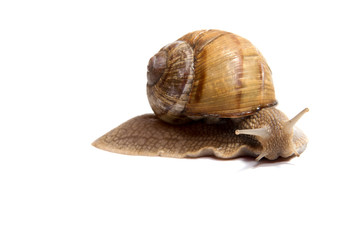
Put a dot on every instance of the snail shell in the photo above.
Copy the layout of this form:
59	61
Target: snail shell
208	74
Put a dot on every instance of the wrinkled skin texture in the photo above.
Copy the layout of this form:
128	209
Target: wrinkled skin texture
148	136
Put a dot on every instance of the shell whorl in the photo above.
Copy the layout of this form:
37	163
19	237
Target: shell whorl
209	73
170	76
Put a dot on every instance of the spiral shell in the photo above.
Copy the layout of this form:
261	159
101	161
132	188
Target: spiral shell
208	73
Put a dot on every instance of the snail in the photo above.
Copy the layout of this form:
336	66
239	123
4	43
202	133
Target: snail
212	94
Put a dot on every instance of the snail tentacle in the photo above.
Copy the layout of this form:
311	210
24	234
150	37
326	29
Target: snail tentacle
291	123
260	132
262	155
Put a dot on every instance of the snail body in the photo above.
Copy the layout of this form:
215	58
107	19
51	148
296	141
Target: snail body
212	94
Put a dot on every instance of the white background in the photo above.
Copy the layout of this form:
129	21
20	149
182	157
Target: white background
72	70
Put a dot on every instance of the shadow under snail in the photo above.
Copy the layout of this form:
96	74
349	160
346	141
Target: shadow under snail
212	94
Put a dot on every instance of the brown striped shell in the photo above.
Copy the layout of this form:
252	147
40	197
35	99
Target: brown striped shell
208	73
